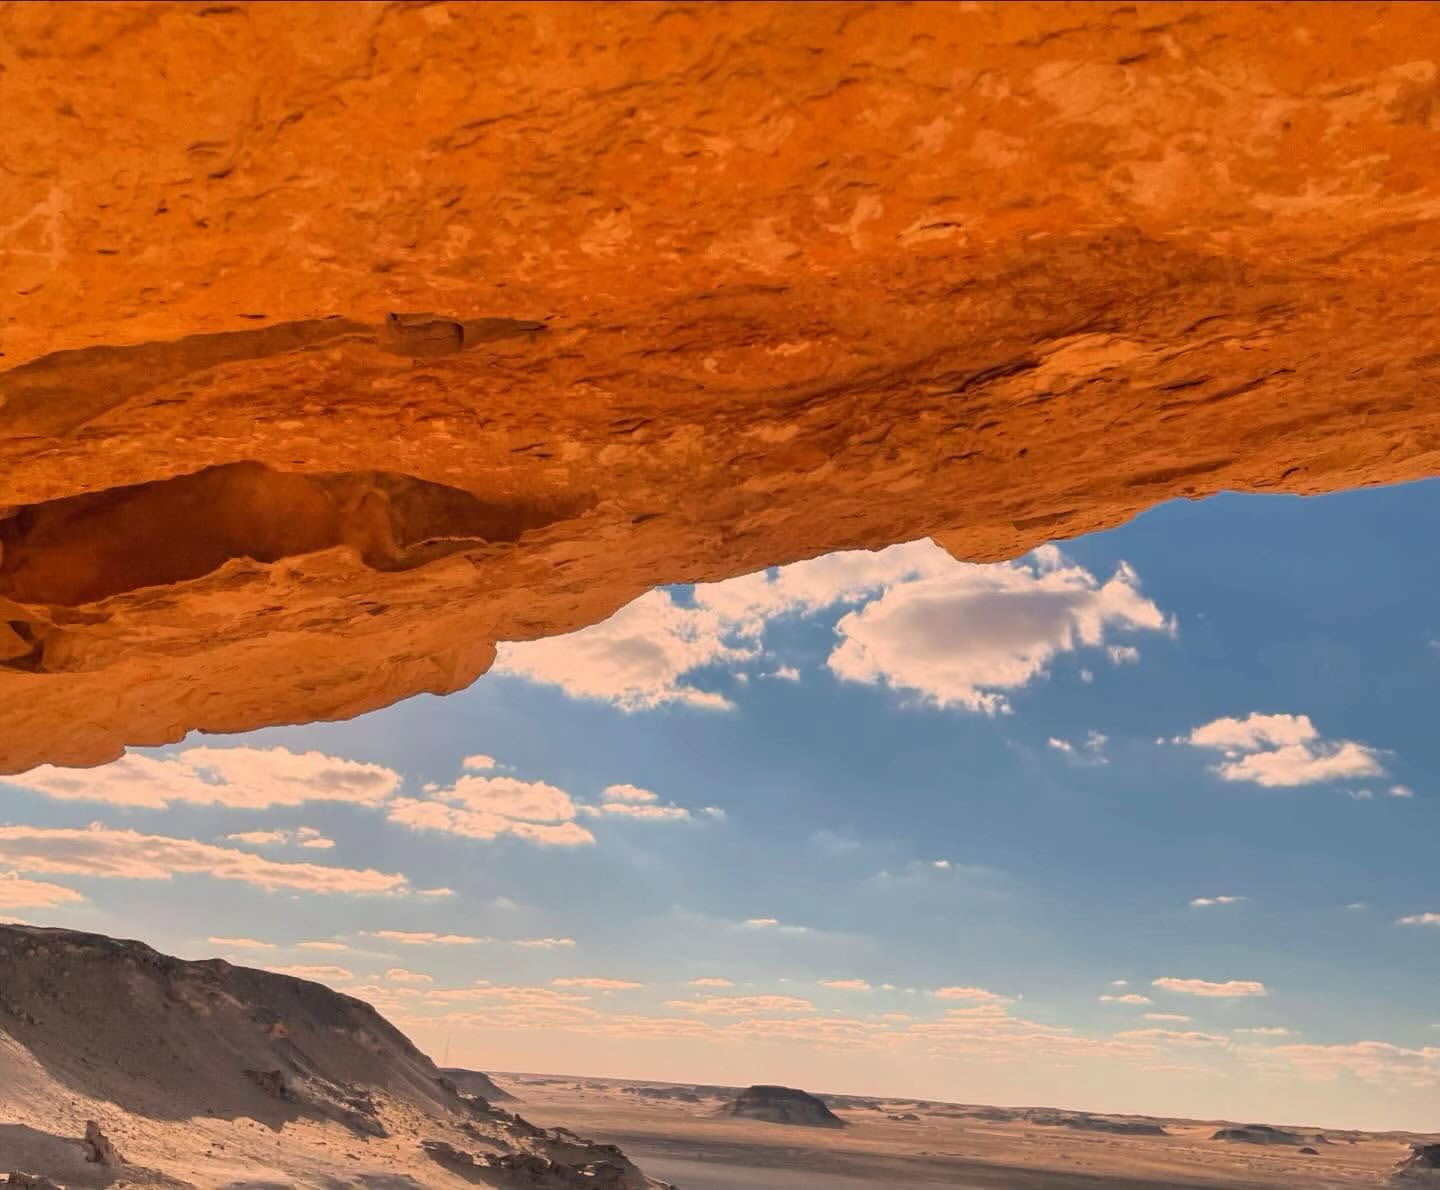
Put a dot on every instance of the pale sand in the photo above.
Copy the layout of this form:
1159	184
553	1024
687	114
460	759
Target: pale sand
696	1148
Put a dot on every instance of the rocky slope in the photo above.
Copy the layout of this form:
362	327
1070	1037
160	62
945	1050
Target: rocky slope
204	1074
281	437
782	1105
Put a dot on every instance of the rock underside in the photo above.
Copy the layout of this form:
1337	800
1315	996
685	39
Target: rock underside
350	340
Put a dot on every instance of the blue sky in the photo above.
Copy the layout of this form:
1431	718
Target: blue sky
921	828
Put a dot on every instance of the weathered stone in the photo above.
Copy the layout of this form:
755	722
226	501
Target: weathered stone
281	437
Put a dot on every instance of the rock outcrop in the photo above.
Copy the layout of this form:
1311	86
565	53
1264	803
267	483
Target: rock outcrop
1259	1134
473	1082
782	1105
186	1058
282	437
1421	1168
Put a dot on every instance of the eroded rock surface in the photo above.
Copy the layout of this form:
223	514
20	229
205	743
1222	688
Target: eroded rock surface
282	436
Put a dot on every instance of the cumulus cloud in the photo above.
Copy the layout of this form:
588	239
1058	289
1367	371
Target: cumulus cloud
248	778
1126	998
241	943
846	985
630	801
1233	989
478	763
130	855
968	635
1282	751
402	975
425	938
1420	919
978	995
18	893
953	633
1209	902
488	807
596	984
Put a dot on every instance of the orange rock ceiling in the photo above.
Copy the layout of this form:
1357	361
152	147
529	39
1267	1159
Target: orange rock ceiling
342	341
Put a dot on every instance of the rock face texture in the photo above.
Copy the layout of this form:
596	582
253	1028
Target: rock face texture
341	342
782	1105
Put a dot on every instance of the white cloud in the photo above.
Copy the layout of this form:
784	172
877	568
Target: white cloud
18	893
1401	791
546	943
711	981
1178	1018
964	637
1355	905
1123	654
487	807
714	812
402	975
1091	752
787	673
1127	998
1233	989
1282	751
130	855
942	864
846	985
957	634
596	984
762	921
321	946
425	938
304	836
241	943
976	995
1119	983
435	892
1420	919
1267	1031
1207	902
630	801
478	763
1360	795
249	778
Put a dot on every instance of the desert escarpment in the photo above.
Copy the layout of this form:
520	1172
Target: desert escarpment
426	327
175	1073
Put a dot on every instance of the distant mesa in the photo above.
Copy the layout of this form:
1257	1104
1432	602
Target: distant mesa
1260	1134
782	1105
473	1082
1088	1123
676	1094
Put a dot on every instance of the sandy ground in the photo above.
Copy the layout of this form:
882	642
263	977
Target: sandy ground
691	1145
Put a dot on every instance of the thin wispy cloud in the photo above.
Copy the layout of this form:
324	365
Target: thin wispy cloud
112	854
1231	989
